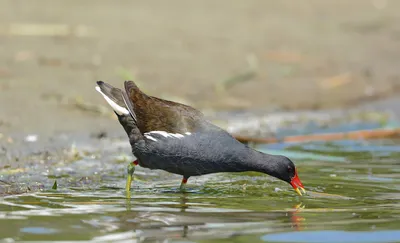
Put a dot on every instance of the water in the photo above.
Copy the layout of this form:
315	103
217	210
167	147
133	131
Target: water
354	196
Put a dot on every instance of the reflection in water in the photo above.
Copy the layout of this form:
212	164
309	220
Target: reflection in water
184	206
183	220
296	219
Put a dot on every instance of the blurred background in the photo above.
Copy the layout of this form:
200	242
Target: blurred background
214	55
313	80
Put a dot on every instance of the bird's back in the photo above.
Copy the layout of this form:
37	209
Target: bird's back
155	114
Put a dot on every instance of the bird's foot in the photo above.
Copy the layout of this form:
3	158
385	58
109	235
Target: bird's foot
130	170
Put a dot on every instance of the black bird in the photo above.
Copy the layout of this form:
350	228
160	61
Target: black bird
177	138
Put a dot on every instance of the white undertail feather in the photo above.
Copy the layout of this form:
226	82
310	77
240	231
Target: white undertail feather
117	108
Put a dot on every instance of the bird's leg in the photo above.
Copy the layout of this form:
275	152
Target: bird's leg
131	169
183	183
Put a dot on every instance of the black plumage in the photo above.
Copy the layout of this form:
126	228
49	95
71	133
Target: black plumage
177	138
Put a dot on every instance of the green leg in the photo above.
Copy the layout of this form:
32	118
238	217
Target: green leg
131	169
183	183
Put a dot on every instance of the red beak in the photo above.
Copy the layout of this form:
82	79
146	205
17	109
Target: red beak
296	184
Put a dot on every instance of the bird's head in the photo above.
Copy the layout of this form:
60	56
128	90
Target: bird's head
286	171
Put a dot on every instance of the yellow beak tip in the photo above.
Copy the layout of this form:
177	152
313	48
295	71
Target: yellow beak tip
299	192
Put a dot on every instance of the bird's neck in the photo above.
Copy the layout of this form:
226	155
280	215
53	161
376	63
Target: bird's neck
260	162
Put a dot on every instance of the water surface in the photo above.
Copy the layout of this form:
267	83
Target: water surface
354	192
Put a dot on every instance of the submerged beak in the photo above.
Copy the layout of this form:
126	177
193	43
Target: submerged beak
296	184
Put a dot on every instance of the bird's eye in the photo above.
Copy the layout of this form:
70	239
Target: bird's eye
289	168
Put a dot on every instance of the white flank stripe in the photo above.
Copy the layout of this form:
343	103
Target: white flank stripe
118	109
162	133
167	134
150	137
177	135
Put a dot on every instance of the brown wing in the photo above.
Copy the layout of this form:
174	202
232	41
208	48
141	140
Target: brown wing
155	114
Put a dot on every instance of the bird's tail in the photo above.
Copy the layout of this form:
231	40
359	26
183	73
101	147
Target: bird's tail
118	100
113	96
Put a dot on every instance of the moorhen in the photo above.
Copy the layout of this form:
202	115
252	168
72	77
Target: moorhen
177	138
